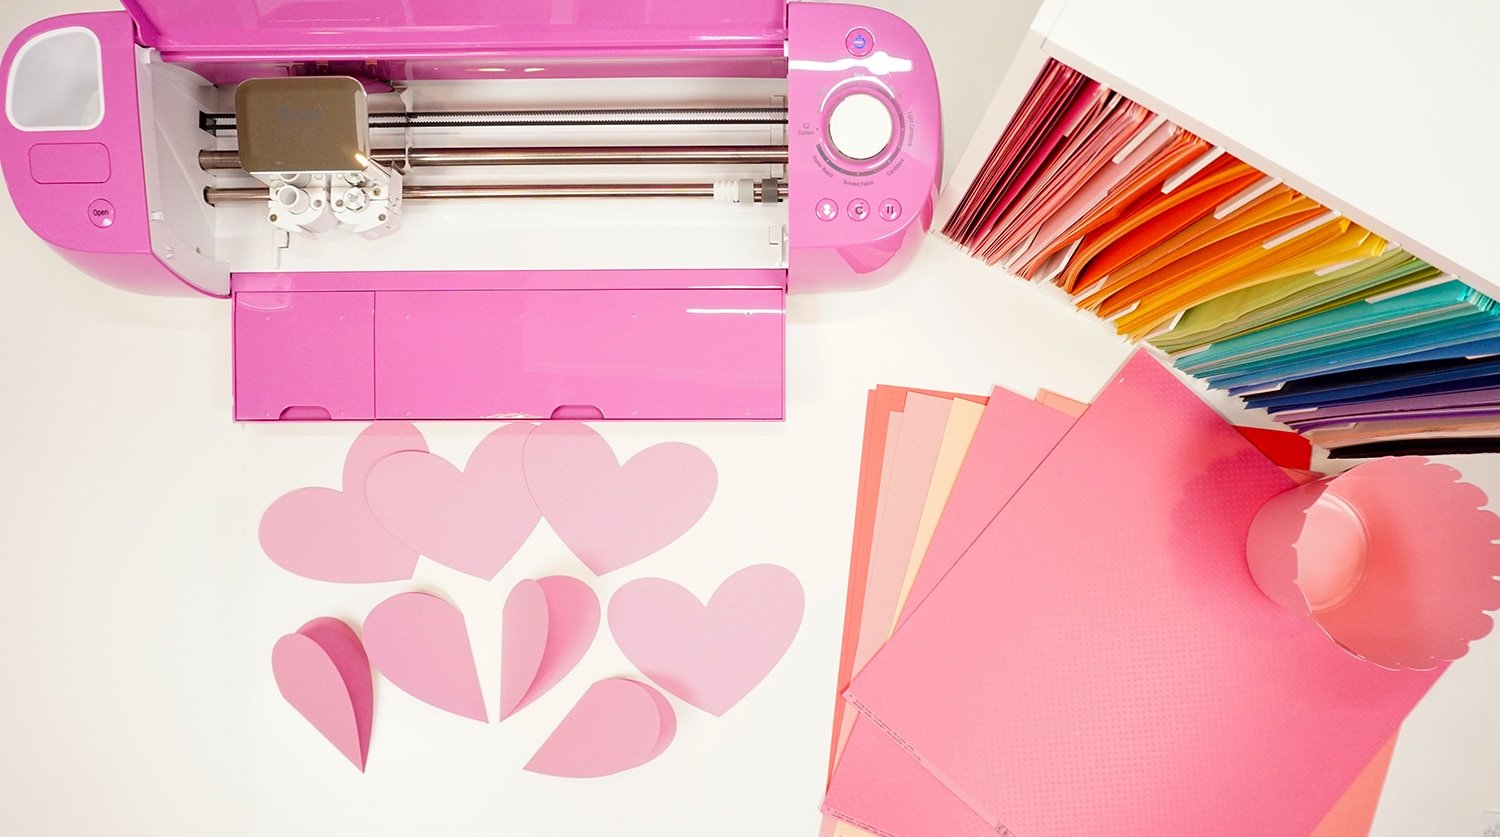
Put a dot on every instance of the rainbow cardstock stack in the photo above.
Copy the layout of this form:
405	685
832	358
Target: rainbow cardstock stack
1246	282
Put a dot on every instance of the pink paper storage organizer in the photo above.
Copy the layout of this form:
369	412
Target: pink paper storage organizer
717	155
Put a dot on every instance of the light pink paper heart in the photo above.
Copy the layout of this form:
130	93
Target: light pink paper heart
709	655
612	515
420	643
472	520
331	535
617	724
323	673
548	625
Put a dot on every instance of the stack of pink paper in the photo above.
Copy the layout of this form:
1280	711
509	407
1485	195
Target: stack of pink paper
1052	630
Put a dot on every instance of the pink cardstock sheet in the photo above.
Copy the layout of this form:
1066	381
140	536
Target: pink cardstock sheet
913	442
898	514
1015	435
876	785
617	725
1100	654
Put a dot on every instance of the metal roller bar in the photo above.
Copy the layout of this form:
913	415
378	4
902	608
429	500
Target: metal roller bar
598	155
215	195
216	123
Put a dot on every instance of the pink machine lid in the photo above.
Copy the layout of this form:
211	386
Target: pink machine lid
192	30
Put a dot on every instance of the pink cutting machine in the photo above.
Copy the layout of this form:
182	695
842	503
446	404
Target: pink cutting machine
453	209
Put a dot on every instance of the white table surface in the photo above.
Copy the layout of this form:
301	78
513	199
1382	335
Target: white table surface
138	612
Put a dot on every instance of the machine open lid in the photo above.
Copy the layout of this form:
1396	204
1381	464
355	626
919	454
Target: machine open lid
358	29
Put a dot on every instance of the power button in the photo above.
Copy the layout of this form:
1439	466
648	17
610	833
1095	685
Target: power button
859	42
102	213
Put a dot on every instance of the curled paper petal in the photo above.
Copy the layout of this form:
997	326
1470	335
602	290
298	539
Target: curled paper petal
323	673
618	724
1393	559
548	625
420	643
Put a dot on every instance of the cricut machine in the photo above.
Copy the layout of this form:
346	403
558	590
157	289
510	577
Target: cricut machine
453	209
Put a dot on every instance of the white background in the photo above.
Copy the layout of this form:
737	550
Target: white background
138	613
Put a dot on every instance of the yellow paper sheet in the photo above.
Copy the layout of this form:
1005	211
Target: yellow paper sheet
1352	242
1206	322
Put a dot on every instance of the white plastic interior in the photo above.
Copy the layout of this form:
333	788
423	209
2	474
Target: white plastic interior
479	234
57	82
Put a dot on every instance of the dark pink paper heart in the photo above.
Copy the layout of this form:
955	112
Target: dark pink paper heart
709	655
473	520
322	671
612	515
331	535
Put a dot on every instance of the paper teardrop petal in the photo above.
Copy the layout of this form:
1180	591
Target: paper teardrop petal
523	642
618	724
323	673
420	643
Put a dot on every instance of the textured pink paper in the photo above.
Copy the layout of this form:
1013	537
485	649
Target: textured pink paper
1014	437
709	655
1117	664
612	515
898	513
875	784
332	535
419	642
617	724
472	520
322	671
879	788
548	625
913	441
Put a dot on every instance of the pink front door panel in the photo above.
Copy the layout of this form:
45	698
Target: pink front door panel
615	354
304	355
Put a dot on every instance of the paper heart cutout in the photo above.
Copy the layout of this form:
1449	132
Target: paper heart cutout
612	515
331	535
709	655
548	625
473	520
617	724
420	643
322	671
